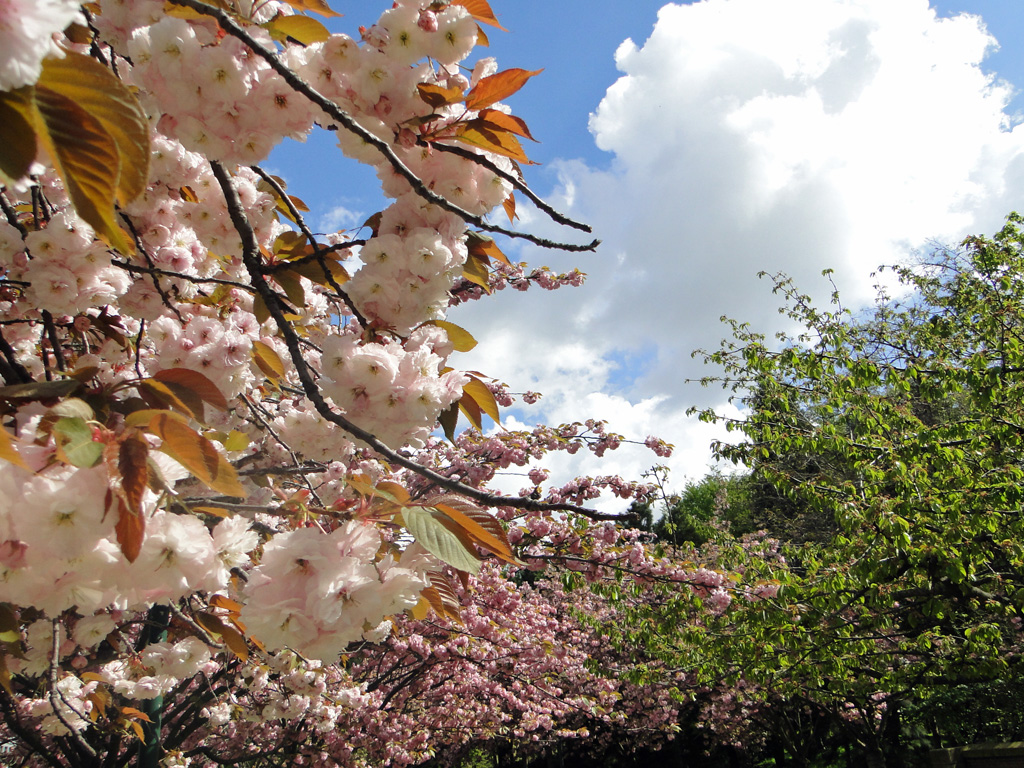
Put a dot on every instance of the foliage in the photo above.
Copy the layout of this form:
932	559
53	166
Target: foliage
902	431
691	517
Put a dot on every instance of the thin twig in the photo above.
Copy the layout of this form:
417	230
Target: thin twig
295	458
164	296
10	213
518	183
205	636
305	469
127	267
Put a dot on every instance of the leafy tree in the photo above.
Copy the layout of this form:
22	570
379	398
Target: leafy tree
906	428
691	517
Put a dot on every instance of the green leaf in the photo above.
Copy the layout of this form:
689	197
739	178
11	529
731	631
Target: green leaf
427	527
74	438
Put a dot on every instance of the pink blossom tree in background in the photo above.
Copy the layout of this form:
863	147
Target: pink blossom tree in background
229	534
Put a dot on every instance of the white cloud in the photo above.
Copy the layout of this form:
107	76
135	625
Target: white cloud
751	135
338	218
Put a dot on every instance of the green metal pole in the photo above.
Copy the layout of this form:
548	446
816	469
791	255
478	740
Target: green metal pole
155	631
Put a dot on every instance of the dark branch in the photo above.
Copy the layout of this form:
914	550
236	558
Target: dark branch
251	258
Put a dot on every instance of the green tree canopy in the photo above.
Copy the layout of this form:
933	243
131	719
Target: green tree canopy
900	431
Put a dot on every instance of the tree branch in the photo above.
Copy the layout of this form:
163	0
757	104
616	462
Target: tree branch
250	257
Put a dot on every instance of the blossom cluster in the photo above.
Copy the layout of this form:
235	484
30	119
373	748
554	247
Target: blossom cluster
185	302
173	454
317	594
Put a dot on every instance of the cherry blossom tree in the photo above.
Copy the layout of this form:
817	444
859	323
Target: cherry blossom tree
219	465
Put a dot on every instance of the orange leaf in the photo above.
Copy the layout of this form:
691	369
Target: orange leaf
460	338
509	123
134	470
480	535
484	518
477	390
395	492
5	675
481	11
419	611
233	639
437	96
302	29
159	395
8	451
483	246
509	204
141	418
498	86
475	270
317	6
130	530
444	588
219	601
215	511
469	407
267	360
289	244
197	454
135	714
499	142
17	135
434	600
449	419
196	382
314	272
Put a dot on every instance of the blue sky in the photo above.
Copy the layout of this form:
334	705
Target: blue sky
727	137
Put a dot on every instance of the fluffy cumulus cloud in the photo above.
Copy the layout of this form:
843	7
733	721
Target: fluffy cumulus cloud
749	135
